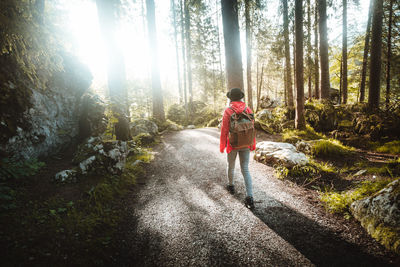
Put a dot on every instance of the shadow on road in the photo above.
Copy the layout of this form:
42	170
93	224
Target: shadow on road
319	244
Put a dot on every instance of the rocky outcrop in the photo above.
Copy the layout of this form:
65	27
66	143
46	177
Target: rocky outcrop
49	122
97	157
285	154
380	215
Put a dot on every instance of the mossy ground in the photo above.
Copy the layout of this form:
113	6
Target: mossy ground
52	224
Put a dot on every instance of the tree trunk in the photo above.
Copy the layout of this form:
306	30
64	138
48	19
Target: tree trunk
376	52
323	50
219	49
309	60
316	58
288	69
177	52
389	55
259	87
158	106
115	68
188	51
294	60
344	53
248	53
300	122
233	54
184	58
366	50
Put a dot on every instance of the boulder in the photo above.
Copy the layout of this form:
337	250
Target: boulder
272	153
191	127
97	157
379	214
66	176
143	126
266	102
264	115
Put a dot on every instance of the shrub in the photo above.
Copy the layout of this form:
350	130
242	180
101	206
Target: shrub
330	147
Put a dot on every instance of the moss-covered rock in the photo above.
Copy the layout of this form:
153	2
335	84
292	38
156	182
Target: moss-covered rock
143	126
379	214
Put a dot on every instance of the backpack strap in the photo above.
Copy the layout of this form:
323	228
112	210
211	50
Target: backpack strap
244	110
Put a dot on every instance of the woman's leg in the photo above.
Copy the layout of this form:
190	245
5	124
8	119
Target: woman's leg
231	165
244	156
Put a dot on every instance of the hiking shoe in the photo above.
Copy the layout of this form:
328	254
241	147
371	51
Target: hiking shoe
249	202
231	189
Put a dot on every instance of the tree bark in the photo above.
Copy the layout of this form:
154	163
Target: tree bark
316	58
233	54
288	68
248	54
323	50
376	52
344	53
389	55
158	106
299	120
366	50
115	68
259	87
188	50
177	52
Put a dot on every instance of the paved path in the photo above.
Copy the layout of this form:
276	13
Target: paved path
182	215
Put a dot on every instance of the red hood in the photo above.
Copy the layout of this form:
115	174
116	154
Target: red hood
238	106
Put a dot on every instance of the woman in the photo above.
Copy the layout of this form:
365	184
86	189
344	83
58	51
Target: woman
236	105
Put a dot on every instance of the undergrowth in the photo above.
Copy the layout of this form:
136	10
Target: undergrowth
330	147
67	230
390	147
339	202
292	136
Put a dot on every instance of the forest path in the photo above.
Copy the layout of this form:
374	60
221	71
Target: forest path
181	214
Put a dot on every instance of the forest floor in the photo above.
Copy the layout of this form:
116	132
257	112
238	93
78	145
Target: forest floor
181	214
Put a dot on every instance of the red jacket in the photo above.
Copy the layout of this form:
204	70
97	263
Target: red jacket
238	107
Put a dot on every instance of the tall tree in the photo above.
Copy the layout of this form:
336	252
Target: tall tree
219	46
288	69
158	106
248	53
177	50
316	58
376	52
389	54
300	122
115	67
188	49
344	54
366	50
233	54
309	60
323	50
184	57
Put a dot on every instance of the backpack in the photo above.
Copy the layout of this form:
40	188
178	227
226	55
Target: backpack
241	130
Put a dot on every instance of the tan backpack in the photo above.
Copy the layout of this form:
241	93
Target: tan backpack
241	130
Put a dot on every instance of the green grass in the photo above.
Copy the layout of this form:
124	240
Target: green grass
330	147
292	136
339	202
390	147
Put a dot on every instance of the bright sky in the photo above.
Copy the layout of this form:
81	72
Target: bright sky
84	27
